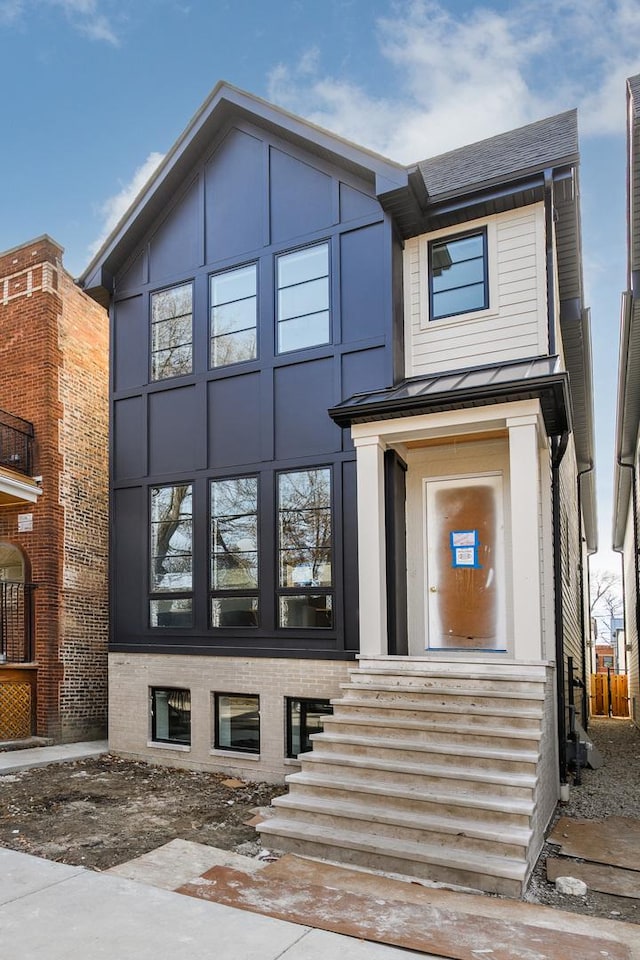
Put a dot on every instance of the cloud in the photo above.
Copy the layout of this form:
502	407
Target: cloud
85	16
468	76
113	208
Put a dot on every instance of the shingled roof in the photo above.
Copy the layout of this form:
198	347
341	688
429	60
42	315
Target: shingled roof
549	142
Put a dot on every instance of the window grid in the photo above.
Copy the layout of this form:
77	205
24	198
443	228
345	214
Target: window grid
234	574
233	330
171	332
302	314
458	275
171	556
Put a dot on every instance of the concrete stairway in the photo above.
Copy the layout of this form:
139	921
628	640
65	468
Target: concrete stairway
426	768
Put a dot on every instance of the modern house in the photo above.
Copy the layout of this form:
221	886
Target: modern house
626	514
352	482
53	500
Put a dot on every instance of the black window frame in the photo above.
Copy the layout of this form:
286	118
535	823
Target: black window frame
453	238
159	595
277	288
213	592
310	591
153	293
153	691
219	273
305	703
216	723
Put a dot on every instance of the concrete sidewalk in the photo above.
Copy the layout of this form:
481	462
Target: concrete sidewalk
13	761
50	911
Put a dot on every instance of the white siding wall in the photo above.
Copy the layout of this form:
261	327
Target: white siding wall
631	633
514	326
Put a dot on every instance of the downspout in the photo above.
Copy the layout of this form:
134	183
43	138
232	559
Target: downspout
634	507
585	718
558	450
550	264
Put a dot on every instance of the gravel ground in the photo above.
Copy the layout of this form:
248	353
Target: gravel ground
611	791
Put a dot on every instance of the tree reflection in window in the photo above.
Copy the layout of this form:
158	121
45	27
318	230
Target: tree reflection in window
171	554
305	540
234	552
171	332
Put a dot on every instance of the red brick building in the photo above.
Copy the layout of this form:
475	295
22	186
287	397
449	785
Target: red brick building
53	500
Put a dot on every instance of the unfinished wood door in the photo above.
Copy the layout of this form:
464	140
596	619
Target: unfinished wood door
465	582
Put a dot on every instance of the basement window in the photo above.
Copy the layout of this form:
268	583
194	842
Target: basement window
304	718
170	715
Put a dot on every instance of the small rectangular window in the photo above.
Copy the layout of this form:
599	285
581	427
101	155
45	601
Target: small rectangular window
234	316
170	715
237	722
305	549
171	546
171	332
234	552
304	718
458	277
303	298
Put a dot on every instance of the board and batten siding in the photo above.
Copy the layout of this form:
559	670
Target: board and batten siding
515	324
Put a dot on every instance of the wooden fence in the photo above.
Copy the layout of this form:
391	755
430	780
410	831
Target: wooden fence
609	695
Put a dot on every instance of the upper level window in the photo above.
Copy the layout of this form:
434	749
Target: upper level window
304	549
234	552
458	277
171	556
171	336
233	316
303	298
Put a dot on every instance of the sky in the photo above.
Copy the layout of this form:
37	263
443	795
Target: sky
96	91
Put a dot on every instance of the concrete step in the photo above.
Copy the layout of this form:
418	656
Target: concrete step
457	701
450	681
380	725
468	780
465	690
438	861
460	831
514	713
485	666
474	756
490	809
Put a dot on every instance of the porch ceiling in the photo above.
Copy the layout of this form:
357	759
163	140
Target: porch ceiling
16	488
536	379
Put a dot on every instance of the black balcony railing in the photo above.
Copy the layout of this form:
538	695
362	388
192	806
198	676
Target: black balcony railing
16	443
16	621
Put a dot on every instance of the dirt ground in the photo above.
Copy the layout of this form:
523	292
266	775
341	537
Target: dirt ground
99	813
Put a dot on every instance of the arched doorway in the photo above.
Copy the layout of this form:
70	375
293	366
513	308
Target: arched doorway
15	606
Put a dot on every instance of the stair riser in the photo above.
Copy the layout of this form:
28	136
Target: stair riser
495	765
439	713
505	687
469	787
408	867
390	731
432	666
372	829
453	702
418	807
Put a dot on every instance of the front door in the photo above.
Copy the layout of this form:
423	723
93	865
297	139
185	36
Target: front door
465	577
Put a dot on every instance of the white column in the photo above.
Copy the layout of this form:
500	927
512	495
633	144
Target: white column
525	537
372	573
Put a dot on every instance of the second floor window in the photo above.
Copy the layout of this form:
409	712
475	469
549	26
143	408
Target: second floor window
233	316
458	278
234	552
303	298
171	332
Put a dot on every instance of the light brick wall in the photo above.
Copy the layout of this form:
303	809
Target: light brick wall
53	372
132	675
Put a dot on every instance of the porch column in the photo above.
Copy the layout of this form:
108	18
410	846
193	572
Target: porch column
525	537
372	572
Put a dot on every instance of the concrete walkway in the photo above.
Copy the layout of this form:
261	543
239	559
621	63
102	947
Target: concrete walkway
51	911
13	761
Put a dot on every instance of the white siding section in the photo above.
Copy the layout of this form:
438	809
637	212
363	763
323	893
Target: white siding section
515	324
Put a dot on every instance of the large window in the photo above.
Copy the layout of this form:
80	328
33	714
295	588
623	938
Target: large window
237	722
458	278
233	316
304	718
171	332
171	566
234	552
170	715
303	298
304	549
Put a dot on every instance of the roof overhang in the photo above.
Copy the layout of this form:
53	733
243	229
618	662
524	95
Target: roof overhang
15	488
538	379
